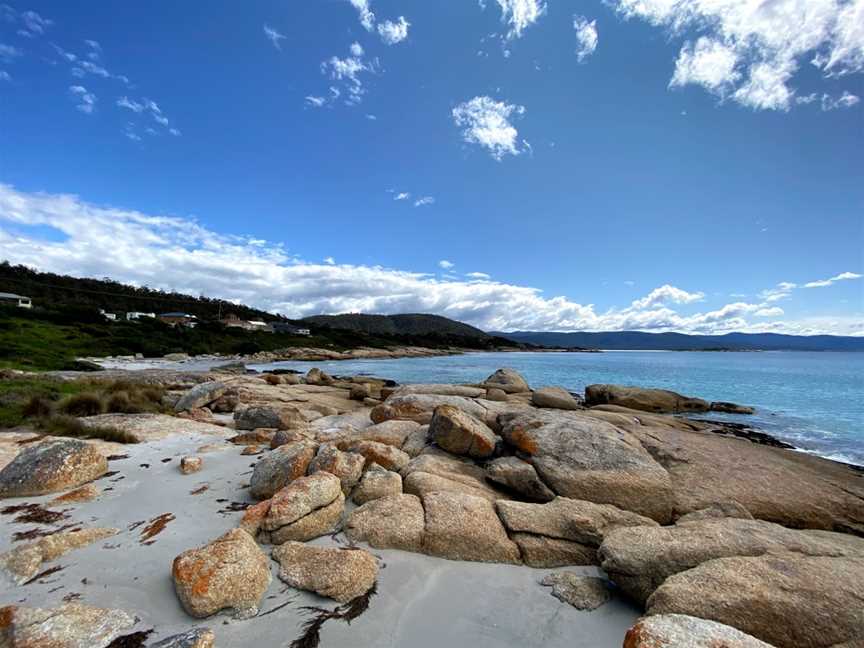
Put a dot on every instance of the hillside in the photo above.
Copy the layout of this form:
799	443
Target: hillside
408	324
637	340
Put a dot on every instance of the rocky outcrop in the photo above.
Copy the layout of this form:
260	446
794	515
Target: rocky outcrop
442	390
284	437
143	428
434	470
69	626
518	476
640	559
307	508
647	400
391	433
200	396
419	407
197	638
279	468
582	592
377	482
583	458
461	434
23	562
786	599
261	436
716	510
317	377
731	408
390	522
262	416
555	398
340	574
464	527
347	466
417	441
682	631
51	466
507	380
384	455
230	572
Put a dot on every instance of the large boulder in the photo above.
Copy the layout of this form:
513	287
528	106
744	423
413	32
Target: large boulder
416	442
582	592
442	390
682	631
419	407
555	398
507	380
377	482
69	626
731	408
390	522
347	466
340	574
280	467
464	527
519	476
640	559
434	470
51	466
584	458
647	400
230	572
391	433
200	396
384	455
283	417
307	508
786	599
563	531
461	434
317	377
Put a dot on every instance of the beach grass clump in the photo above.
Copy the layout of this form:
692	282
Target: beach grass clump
83	404
38	406
70	426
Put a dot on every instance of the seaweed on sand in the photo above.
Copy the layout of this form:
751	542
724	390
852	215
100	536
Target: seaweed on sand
347	612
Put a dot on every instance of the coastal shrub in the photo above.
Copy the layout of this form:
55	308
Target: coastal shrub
38	407
120	403
69	426
84	404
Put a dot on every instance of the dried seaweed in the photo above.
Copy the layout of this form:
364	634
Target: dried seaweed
311	636
47	572
134	640
155	527
234	507
32	534
34	513
199	490
117	457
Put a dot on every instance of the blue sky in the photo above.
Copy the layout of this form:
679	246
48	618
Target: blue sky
628	164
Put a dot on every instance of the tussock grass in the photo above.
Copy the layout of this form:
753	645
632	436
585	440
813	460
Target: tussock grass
69	426
83	404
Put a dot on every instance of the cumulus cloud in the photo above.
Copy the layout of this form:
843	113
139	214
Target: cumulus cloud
770	311
586	37
394	32
843	276
446	265
518	15
480	276
750	51
274	36
347	71
486	122
85	100
170	252
30	24
367	18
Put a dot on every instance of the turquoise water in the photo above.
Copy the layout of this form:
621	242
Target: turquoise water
813	400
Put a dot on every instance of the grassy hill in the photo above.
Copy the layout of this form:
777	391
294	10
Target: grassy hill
408	324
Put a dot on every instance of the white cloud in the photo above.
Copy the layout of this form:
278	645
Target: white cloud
150	107
274	36
846	100
134	106
86	101
781	291
519	14
394	32
751	49
32	24
586	37
367	18
486	122
5	76
446	265
176	253
347	71
667	294
318	102
709	63
330	260
843	276
425	200
9	52
771	311
480	276
356	49
402	195
371	117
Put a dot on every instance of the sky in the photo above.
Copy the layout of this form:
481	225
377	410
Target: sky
686	165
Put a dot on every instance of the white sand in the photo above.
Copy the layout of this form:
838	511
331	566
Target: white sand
421	601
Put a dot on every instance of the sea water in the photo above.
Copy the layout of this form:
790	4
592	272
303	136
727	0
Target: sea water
814	401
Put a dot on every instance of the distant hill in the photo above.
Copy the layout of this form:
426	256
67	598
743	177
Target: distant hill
637	340
409	324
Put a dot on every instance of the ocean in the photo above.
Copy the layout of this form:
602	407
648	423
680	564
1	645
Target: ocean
814	401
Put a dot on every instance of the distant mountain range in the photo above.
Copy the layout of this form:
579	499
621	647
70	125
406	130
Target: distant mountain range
637	340
408	324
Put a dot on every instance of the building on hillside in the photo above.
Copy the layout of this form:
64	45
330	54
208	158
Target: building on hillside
284	327
232	321
134	315
179	319
111	317
11	299
259	325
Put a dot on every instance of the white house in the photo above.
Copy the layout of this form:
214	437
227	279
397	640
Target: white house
11	299
135	315
109	316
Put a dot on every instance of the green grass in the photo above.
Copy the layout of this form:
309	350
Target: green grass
16	394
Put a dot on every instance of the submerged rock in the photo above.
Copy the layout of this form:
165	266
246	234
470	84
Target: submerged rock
582	592
230	572
51	466
648	400
69	626
390	522
340	574
786	599
682	631
460	433
279	468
